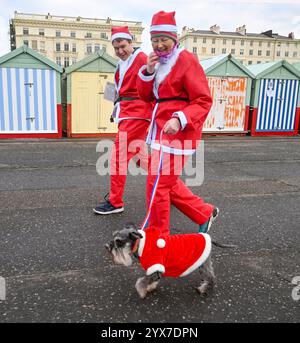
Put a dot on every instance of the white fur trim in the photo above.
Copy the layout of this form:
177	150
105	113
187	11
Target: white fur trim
155	268
202	258
182	119
144	77
142	242
170	150
161	243
163	70
164	28
121	35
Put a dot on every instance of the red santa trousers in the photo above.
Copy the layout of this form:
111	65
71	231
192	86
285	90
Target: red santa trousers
130	141
172	190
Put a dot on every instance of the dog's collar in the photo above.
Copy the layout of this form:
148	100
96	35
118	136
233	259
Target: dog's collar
135	247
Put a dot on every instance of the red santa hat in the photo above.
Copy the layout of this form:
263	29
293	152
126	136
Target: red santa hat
164	24
120	32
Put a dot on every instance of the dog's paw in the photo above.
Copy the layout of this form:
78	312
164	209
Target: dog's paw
142	291
152	286
204	288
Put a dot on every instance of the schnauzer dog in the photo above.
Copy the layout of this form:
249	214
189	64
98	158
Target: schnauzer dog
162	255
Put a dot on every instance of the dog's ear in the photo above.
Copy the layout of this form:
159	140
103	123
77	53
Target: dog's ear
134	235
130	226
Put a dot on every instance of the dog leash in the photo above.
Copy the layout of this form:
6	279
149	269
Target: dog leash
145	222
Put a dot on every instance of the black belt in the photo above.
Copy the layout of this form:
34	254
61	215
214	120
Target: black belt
124	98
171	99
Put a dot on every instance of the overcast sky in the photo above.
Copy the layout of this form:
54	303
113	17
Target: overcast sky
281	16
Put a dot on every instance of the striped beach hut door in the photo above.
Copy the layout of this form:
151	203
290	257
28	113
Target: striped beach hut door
28	104
277	105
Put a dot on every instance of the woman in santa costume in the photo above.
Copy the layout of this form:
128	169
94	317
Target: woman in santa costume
173	79
132	115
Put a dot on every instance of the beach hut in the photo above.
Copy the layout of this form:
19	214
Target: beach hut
88	112
30	95
275	99
230	85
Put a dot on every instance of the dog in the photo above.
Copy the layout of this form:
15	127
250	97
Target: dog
173	256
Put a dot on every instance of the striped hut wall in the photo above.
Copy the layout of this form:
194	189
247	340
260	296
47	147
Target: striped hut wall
277	105
28	101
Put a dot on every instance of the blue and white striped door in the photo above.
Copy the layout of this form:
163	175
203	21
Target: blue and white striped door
277	105
27	101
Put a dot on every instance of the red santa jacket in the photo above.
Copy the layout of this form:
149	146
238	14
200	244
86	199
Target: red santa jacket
172	255
181	77
125	85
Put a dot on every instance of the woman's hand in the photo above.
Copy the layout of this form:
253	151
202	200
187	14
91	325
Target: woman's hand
172	126
151	61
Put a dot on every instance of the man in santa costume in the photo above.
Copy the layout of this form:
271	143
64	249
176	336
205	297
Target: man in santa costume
132	115
173	79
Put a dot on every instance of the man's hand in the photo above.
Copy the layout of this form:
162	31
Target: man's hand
172	126
151	61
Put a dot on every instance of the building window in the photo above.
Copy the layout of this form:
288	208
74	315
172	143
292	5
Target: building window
269	44
258	62
250	52
58	61
66	62
233	42
34	44
287	45
97	47
25	31
278	53
89	48
41	32
195	39
203	50
249	62
25	42
224	41
73	60
260	44
73	47
66	46
213	41
213	50
73	34
232	51
224	51
251	43
194	50
268	53
103	35
57	33
286	54
242	42
242	52
204	40
104	48
42	46
88	35
295	54
57	46
133	37
259	52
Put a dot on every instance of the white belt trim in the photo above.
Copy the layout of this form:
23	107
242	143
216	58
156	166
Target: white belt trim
202	258
170	150
155	268
135	118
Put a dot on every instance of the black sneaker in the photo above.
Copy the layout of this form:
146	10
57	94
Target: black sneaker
204	228
107	208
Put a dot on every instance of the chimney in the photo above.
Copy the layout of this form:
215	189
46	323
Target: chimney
215	28
241	30
291	35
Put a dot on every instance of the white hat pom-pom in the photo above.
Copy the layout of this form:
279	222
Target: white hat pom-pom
161	243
